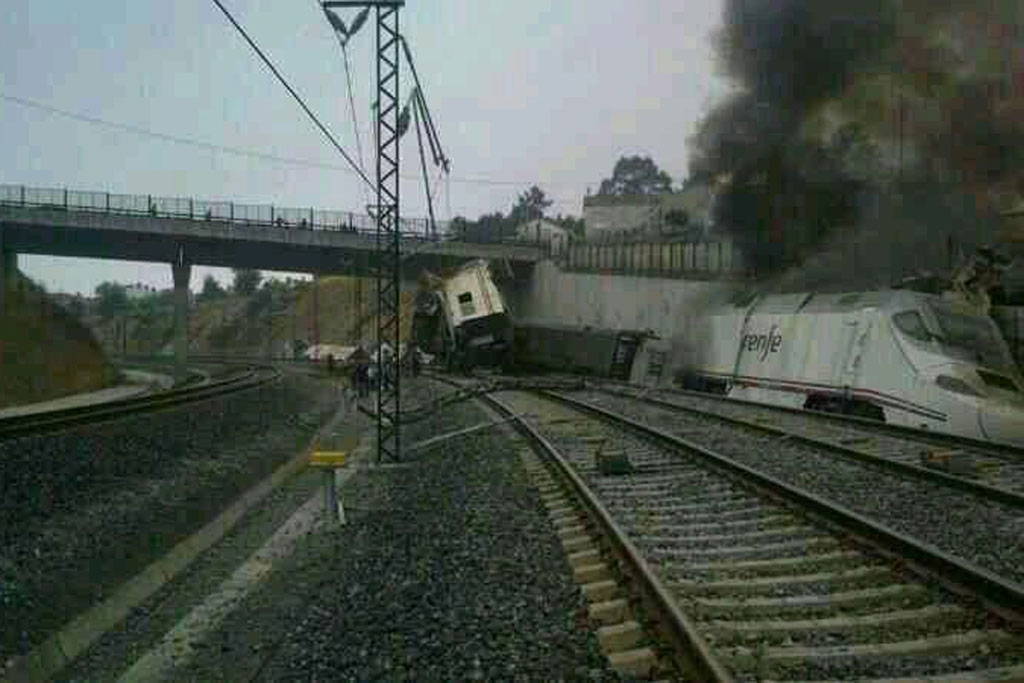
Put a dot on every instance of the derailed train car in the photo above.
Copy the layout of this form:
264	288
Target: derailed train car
904	357
581	350
463	318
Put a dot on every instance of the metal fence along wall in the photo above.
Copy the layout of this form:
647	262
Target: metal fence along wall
657	258
204	210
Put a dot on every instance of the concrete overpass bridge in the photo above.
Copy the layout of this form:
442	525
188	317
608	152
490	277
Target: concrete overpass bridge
183	232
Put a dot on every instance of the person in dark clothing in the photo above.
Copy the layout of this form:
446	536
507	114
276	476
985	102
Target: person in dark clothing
414	361
353	379
364	379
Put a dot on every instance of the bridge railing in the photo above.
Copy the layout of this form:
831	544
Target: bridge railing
188	208
662	259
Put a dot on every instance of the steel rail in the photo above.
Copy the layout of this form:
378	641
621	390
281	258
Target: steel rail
986	491
41	423
998	594
691	653
923	435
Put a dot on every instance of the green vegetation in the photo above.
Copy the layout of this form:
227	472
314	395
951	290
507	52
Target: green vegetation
45	352
212	289
497	227
246	281
112	299
277	317
636	175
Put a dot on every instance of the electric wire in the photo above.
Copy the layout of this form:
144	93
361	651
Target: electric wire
351	102
355	120
294	94
240	151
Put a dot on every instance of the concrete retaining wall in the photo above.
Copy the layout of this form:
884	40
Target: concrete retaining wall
611	301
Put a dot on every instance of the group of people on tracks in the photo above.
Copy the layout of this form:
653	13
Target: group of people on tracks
364	372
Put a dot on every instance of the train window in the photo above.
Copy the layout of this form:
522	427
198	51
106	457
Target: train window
911	324
466	304
998	381
972	335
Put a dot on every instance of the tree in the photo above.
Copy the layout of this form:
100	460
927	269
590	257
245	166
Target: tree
460	228
76	306
212	289
529	206
636	175
493	227
147	312
112	299
574	225
246	281
488	228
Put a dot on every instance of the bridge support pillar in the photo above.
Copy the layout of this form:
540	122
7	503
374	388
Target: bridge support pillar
182	272
8	268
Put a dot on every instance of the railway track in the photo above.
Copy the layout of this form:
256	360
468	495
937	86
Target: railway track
995	471
749	578
56	420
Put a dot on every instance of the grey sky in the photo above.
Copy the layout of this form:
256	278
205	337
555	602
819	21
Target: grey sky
525	92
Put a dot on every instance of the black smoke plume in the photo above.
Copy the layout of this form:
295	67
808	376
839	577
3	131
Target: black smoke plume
804	165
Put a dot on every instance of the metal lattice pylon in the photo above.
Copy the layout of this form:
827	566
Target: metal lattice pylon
388	234
388	256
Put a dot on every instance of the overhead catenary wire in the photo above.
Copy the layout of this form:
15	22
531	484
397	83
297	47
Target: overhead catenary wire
423	165
355	120
294	94
343	43
241	151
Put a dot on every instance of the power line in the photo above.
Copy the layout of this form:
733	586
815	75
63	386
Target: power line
289	88
238	151
138	130
351	99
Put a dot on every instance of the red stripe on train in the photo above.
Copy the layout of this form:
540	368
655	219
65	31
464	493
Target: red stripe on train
793	386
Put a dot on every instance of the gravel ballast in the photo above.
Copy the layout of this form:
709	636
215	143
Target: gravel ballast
987	533
448	569
85	509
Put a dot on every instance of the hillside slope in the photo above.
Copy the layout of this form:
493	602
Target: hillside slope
270	320
45	352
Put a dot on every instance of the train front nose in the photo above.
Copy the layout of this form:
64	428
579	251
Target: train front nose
1003	423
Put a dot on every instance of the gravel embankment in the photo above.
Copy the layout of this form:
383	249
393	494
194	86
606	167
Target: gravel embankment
988	533
447	570
85	509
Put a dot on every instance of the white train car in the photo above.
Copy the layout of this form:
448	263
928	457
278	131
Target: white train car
904	357
474	320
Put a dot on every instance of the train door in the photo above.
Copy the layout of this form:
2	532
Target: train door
854	341
626	346
846	370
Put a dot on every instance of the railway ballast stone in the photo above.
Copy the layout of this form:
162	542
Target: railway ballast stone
448	569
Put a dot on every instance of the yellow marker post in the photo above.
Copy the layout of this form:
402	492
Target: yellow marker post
328	459
330	462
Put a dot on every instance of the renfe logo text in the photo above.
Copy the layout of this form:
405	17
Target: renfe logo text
763	343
